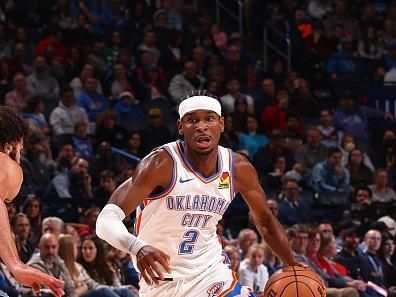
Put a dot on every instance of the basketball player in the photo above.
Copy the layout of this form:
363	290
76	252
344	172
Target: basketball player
180	191
13	130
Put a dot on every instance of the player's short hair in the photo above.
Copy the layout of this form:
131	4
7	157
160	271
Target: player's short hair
13	127
200	92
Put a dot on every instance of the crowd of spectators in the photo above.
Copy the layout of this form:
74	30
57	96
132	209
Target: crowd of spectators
100	83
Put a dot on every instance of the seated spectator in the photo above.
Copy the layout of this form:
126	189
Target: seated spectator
234	256
240	115
32	207
252	272
246	238
21	229
135	146
369	45
303	102
298	236
91	101
64	159
228	101
77	83
121	262
129	113
85	285
349	143
66	114
49	262
328	250
219	37
387	256
359	172
89	219
34	114
120	81
294	132
94	261
107	130
272	182
312	152
53	225
330	135
82	143
155	133
266	96
364	211
106	187
183	83
293	209
149	43
74	183
271	260
229	138
105	159
43	85
381	192
19	96
330	175
252	141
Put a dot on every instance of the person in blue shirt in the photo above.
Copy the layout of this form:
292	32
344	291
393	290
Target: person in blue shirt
92	102
252	141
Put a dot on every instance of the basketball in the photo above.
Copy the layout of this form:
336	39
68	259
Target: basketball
295	281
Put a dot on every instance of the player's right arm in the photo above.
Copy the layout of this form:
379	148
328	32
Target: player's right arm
152	172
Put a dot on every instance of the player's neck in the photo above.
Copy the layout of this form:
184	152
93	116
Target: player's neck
206	164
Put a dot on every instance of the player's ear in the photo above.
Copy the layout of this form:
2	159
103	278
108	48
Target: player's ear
179	127
221	124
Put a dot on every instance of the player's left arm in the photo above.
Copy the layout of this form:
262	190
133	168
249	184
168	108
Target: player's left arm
247	183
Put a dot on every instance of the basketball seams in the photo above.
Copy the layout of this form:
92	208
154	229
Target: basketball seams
295	277
309	288
300	275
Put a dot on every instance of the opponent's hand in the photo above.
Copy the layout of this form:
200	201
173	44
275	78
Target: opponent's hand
149	262
31	277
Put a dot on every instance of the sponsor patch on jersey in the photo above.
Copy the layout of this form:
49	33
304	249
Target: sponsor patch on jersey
224	180
215	289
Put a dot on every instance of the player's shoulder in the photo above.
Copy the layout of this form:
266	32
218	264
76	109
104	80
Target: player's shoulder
9	168
156	160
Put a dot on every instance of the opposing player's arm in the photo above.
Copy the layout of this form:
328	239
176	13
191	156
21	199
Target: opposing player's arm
247	183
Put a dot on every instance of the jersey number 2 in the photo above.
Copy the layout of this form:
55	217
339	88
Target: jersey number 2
187	245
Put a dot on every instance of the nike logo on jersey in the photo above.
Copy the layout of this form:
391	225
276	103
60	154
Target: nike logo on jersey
181	180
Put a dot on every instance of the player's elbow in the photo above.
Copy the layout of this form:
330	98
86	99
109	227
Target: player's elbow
101	226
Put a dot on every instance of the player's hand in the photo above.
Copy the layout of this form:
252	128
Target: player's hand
300	264
149	262
31	277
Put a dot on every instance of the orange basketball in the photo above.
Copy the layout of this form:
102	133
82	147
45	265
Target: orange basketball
295	281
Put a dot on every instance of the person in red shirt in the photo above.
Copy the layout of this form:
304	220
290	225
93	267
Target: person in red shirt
61	52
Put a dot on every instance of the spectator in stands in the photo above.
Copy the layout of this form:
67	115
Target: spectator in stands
82	142
299	240
365	211
95	58
53	225
106	187
388	259
129	113
251	140
360	174
120	81
317	46
347	145
240	115
85	285
54	40
372	269
34	114
266	96
74	64
276	147
236	66
228	100
229	138
303	102
64	160
312	152
155	133
272	182
93	259
246	238
369	46
219	37
121	262
330	175
18	96
135	145
107	130
252	272
91	101
353	118
35	162
32	207
342	16
42	84
183	83
74	183
329	273
149	43
105	159
387	34
77	83
21	229
381	192
67	114
48	261
89	219
330	135
274	116
294	209
111	52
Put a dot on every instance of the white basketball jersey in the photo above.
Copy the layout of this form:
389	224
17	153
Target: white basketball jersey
182	220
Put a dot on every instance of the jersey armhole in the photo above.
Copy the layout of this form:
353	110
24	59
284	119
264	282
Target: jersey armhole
172	182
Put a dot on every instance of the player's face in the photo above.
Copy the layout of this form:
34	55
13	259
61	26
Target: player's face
201	130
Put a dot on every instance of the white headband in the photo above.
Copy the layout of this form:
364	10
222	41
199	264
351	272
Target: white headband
199	102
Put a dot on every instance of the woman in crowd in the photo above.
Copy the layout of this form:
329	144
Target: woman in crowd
388	258
360	174
381	192
32	207
93	259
